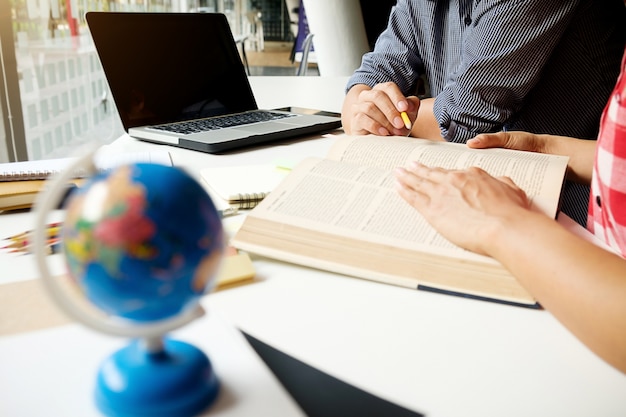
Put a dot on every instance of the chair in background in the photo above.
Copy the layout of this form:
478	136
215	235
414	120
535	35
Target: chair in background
304	61
255	37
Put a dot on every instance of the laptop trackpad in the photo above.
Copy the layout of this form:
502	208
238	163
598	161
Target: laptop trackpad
261	128
219	135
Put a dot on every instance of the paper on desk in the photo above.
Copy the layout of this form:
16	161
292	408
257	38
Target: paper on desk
230	183
58	366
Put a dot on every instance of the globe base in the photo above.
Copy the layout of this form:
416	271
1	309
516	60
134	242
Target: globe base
177	381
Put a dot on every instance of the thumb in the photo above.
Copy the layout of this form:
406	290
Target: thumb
521	141
489	140
414	105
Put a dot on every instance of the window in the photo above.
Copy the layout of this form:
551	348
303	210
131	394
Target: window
56	95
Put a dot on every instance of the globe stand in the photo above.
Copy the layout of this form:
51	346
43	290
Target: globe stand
153	376
177	380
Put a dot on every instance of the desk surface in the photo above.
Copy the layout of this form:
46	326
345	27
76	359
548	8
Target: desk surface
435	354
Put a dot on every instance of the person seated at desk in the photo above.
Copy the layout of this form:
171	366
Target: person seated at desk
583	285
491	66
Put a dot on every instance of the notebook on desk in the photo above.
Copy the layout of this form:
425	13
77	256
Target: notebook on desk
178	79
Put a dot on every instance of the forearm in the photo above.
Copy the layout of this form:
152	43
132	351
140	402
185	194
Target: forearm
582	285
426	125
581	153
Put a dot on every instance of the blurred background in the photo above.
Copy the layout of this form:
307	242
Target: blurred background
54	96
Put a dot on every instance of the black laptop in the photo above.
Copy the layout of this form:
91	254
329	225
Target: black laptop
178	79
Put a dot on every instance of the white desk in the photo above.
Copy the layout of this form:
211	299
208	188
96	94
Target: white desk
435	354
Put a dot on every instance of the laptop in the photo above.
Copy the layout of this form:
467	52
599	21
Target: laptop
178	79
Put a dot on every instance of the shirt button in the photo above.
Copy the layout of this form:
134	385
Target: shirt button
468	20
598	201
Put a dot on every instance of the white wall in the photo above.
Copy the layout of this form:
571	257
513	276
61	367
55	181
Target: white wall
339	35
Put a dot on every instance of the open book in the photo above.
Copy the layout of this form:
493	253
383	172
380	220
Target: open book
342	214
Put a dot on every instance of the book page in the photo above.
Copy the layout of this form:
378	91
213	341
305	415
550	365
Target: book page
539	175
353	201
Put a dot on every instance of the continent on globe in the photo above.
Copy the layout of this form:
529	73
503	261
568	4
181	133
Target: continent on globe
143	241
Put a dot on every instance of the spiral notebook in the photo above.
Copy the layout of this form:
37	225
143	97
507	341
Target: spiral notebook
243	187
21	182
43	168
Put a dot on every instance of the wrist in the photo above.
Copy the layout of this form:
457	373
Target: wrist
507	231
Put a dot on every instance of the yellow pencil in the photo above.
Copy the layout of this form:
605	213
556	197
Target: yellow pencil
407	121
52	230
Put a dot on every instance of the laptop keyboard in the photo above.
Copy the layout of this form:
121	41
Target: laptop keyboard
213	123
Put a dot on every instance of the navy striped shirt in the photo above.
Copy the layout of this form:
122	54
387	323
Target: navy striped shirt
542	66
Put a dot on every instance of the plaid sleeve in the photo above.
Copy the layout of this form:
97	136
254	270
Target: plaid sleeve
607	204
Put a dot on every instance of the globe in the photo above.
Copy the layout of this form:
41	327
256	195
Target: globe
143	241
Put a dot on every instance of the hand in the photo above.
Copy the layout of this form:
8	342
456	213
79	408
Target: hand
466	207
581	152
377	110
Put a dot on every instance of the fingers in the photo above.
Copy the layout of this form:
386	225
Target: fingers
423	173
416	183
369	118
419	184
390	102
508	181
408	179
408	186
418	178
378	111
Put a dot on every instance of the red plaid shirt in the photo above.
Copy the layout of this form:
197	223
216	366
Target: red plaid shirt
607	203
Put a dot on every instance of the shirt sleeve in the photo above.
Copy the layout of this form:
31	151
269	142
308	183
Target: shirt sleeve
505	48
395	57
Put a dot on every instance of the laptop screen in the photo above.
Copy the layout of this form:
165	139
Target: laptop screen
168	67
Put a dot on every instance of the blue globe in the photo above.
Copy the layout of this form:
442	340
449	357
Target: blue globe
143	241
